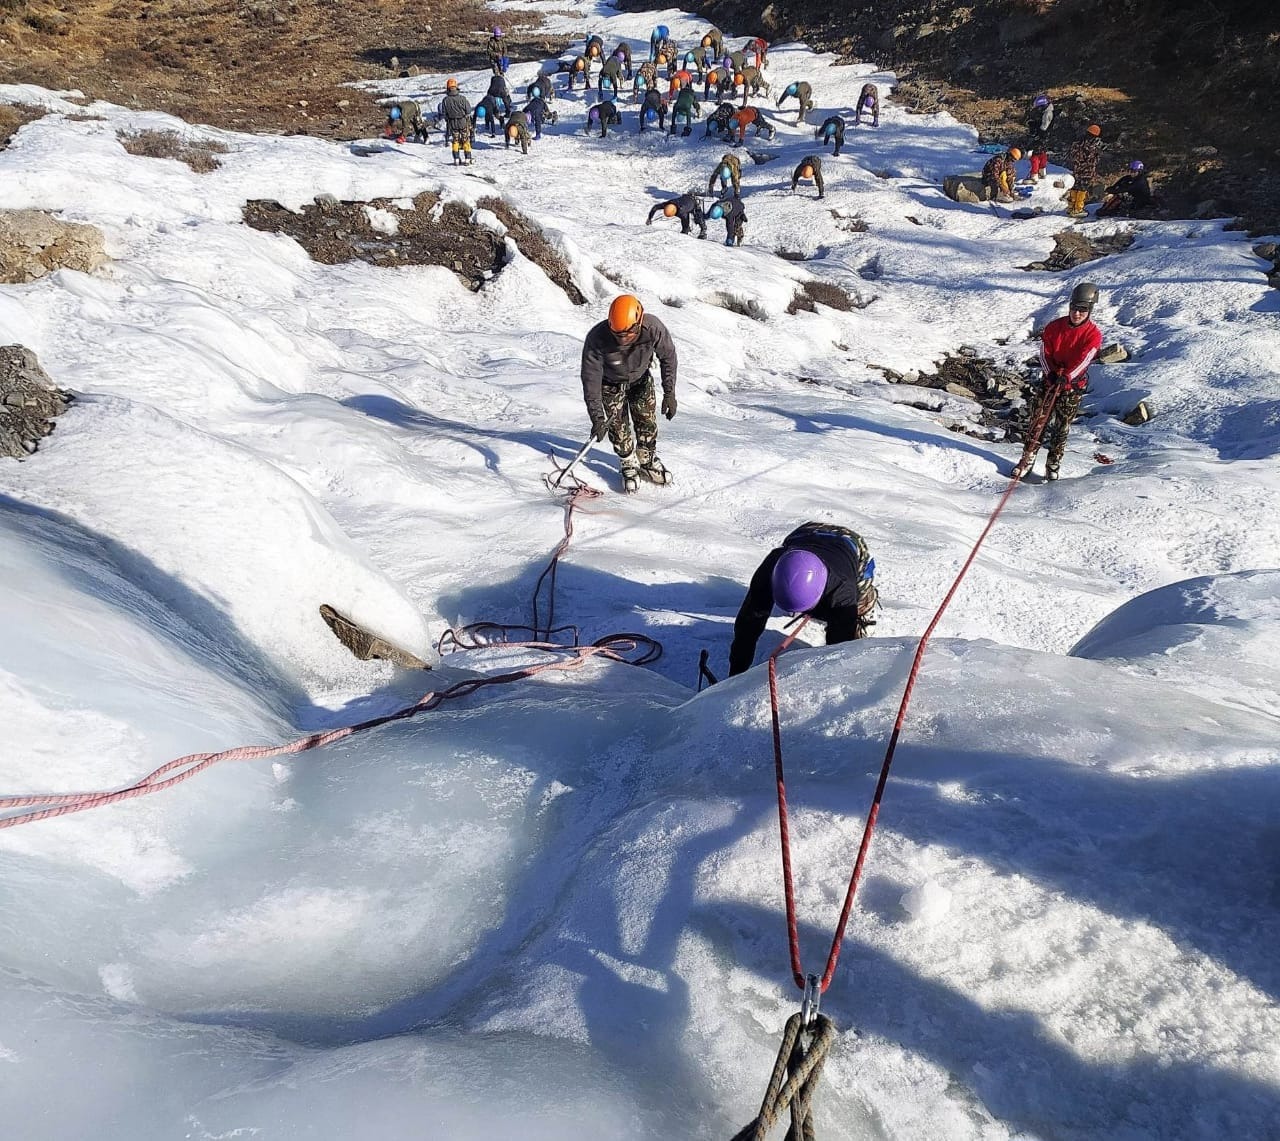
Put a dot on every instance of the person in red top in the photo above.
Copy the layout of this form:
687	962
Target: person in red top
1067	348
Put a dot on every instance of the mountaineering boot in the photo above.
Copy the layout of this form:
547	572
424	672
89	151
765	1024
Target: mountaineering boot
1051	471
655	471
1021	468
630	474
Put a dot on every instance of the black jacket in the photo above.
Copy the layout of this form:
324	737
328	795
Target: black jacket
605	361
838	607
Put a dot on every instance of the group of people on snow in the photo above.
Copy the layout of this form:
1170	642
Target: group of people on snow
820	569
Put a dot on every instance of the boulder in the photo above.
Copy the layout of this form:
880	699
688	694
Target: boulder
965	188
33	243
28	402
1113	353
1139	415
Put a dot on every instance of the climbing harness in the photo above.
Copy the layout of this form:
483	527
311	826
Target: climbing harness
804	1062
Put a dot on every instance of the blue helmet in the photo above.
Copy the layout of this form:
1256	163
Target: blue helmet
799	578
650	114
1136	166
497	31
395	114
662	32
1041	101
716	211
480	111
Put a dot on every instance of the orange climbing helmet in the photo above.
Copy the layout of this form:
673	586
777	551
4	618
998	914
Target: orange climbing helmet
1015	153
451	85
625	313
1094	130
670	211
806	172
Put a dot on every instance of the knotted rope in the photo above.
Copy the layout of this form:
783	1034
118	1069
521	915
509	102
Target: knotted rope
794	1079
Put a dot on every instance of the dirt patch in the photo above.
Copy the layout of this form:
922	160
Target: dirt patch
1165	78
533	243
13	116
1073	247
200	155
29	403
251	65
811	294
431	232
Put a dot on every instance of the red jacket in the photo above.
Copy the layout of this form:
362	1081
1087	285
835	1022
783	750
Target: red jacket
1067	350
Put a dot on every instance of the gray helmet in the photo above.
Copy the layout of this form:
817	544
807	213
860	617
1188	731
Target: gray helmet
1084	296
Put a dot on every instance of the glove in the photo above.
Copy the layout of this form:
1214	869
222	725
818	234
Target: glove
669	405
649	222
599	427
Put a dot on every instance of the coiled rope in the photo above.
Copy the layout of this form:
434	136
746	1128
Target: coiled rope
633	649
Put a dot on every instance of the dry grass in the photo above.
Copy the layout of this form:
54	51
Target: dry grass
265	65
13	116
201	155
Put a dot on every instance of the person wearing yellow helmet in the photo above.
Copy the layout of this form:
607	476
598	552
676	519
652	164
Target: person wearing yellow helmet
688	207
618	356
457	122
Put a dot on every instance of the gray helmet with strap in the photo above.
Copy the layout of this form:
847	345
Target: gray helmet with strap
1084	296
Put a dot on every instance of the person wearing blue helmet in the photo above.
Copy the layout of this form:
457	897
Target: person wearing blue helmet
735	217
832	130
489	112
823	570
656	37
653	110
404	119
803	95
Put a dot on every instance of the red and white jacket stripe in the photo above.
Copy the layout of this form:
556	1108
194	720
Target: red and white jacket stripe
1067	350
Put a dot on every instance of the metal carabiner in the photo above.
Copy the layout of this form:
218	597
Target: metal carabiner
812	1001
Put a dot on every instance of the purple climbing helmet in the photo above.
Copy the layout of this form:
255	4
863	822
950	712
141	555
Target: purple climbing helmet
1136	165
799	578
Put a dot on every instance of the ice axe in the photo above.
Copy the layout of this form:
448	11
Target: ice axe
582	451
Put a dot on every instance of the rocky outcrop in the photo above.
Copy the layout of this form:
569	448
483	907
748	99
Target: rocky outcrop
28	402
33	243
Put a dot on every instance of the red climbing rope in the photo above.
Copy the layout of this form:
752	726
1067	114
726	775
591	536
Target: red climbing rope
793	936
633	649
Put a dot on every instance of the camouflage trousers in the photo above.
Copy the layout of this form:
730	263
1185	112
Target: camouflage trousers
631	404
1054	437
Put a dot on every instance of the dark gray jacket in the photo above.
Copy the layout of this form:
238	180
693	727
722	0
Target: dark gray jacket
605	361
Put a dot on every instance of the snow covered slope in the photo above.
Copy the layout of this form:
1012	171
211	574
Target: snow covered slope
554	906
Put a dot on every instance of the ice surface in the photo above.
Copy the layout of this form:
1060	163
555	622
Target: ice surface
554	906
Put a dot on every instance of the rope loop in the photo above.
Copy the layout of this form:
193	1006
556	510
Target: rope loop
794	1079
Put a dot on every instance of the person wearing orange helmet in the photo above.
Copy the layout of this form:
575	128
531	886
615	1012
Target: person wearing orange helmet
809	167
1083	160
687	207
457	122
753	82
618	356
1000	174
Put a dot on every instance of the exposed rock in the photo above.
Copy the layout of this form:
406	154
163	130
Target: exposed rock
33	243
1113	353
1139	415
1073	248
965	188
28	402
